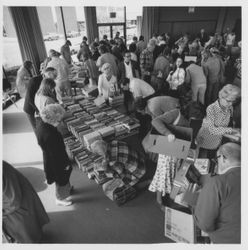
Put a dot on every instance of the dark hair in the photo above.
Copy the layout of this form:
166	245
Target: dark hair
135	38
140	104
85	38
102	48
125	81
132	47
105	36
166	51
68	42
46	86
27	64
141	38
112	42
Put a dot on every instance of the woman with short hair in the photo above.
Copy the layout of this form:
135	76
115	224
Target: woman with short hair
107	82
56	161
216	122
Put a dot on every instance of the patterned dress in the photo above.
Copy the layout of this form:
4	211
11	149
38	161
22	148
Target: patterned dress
165	174
214	126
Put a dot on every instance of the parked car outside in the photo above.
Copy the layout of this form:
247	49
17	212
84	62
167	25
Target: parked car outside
51	37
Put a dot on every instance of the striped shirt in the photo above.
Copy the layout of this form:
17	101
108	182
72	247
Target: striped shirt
214	126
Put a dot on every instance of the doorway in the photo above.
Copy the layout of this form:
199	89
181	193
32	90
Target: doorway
110	30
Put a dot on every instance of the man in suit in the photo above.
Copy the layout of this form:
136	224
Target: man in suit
127	69
33	86
218	208
203	37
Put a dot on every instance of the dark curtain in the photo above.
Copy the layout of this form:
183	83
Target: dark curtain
91	23
149	26
29	35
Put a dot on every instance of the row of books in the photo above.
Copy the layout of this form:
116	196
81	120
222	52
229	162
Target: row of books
86	123
89	123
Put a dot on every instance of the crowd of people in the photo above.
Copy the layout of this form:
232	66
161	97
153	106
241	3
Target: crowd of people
167	83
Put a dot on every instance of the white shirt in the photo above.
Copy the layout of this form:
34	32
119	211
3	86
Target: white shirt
104	85
128	70
177	78
62	69
140	88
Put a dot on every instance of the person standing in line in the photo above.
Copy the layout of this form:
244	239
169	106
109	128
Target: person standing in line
198	82
176	78
65	52
213	68
107	57
147	62
45	94
161	70
57	166
32	88
62	81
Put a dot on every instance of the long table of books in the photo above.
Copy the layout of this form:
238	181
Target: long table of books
86	123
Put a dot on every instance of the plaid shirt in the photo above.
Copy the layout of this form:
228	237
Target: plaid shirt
128	164
146	61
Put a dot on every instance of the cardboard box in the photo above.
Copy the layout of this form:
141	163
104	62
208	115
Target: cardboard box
179	226
178	148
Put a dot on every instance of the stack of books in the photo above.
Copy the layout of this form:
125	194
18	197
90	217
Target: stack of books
107	133
120	129
116	100
91	137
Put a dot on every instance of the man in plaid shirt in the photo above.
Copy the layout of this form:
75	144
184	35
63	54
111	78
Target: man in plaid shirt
147	62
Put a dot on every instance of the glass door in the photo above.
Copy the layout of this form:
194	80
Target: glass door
104	30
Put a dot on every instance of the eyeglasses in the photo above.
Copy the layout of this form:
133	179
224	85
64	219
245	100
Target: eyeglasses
218	156
228	101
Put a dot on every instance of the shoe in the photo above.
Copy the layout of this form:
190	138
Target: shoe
63	202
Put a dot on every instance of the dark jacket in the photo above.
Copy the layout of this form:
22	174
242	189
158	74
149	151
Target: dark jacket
32	88
54	154
203	38
117	53
218	208
23	213
122	71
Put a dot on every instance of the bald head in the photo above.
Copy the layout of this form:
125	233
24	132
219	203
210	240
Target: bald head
231	151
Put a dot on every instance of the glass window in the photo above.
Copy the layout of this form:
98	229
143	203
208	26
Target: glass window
109	14
74	25
133	25
12	59
104	30
51	27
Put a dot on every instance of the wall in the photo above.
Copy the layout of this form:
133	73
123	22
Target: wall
177	20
